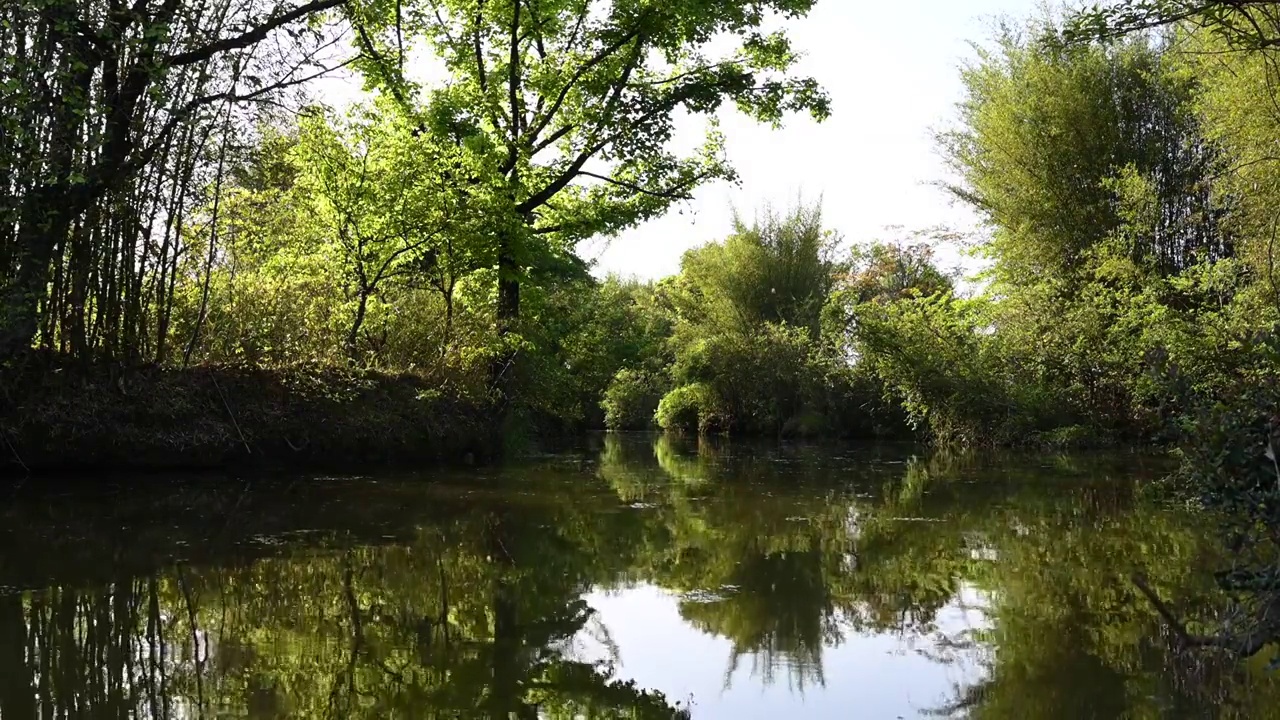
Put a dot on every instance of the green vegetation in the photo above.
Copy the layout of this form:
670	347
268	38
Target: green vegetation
162	205
430	230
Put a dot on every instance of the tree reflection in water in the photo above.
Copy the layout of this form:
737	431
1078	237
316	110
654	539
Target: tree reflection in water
466	597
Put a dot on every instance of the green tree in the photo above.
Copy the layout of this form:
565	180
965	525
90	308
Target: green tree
747	317
270	291
382	194
1045	131
930	353
885	272
564	109
780	270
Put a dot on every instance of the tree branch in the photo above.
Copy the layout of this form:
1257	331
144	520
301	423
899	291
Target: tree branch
674	193
177	116
555	186
604	54
253	36
552	138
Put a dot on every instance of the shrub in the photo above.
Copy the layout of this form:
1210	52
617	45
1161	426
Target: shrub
688	408
631	400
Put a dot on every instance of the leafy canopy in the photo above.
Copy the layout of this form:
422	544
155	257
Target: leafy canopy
569	106
1244	24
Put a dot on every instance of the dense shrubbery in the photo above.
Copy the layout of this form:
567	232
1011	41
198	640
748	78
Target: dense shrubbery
631	400
741	342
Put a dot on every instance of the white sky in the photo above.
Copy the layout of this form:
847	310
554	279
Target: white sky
892	70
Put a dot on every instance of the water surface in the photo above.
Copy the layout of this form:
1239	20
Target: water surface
643	578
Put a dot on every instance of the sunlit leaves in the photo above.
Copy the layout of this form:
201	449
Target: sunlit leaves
568	93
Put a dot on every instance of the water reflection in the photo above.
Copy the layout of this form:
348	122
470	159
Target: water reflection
657	580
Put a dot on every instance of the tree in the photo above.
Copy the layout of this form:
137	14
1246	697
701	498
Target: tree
107	110
380	191
1046	131
928	352
565	108
780	269
268	288
746	317
882	272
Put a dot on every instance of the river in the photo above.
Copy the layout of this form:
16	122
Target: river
635	577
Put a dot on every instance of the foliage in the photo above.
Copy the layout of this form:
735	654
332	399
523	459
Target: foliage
117	124
689	408
884	272
930	354
778	270
563	113
161	210
747	347
631	400
1128	186
1046	129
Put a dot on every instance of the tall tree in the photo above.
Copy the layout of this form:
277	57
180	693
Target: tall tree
1051	138
566	108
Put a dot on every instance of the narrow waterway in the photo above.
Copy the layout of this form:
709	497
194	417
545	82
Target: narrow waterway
639	578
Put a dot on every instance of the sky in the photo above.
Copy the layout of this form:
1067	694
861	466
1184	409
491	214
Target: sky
892	71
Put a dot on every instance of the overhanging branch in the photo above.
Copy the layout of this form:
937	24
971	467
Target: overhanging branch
674	193
251	37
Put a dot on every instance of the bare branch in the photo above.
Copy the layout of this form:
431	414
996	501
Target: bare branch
253	36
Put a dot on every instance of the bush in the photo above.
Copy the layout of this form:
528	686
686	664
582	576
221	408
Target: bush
931	354
688	408
631	400
760	380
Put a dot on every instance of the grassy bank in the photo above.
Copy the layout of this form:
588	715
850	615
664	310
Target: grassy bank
61	418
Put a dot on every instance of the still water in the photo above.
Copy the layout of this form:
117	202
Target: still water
639	578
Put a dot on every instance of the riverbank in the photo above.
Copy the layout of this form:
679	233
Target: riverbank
55	418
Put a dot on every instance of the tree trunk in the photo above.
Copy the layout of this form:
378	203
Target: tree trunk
353	337
44	218
447	345
501	372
